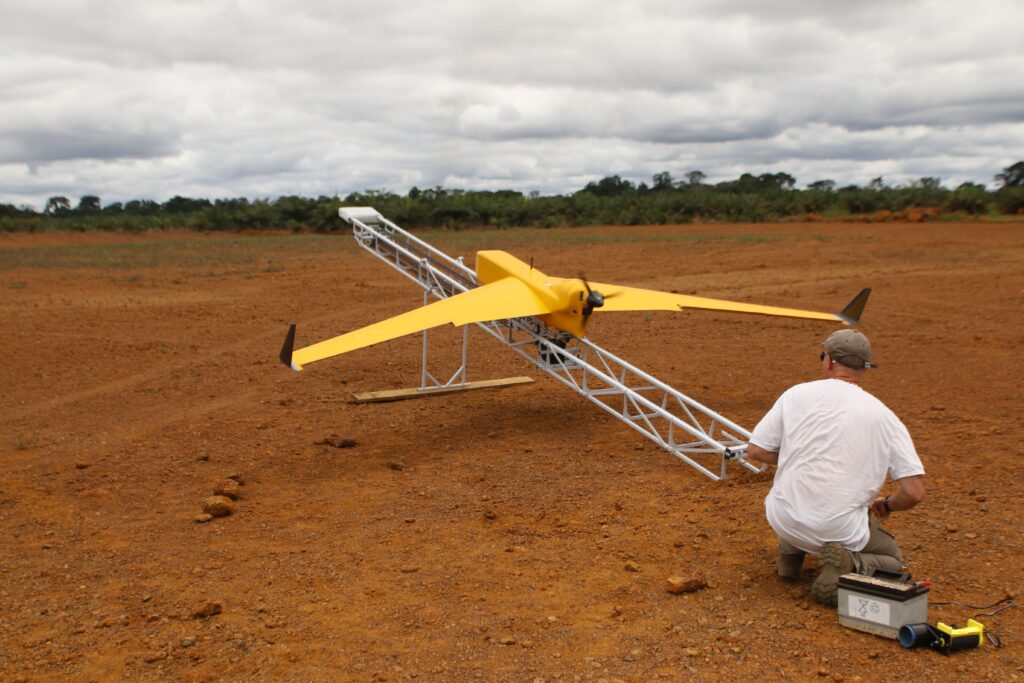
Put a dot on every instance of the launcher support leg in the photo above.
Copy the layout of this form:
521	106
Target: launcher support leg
430	385
427	381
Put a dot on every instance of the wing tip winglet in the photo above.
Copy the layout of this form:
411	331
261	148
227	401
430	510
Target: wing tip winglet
852	312
287	348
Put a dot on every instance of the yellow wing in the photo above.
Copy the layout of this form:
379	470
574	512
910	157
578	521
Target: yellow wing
506	298
618	298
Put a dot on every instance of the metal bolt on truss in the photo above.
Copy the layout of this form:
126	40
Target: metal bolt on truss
682	426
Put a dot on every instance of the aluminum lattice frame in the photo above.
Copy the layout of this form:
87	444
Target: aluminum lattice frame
682	426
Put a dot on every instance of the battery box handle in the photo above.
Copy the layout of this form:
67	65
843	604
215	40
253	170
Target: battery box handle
898	577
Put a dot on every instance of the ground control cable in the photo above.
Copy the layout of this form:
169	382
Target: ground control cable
999	605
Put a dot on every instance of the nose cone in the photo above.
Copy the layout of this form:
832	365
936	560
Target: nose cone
595	299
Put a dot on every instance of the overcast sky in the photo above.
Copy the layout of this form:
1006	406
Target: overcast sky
148	99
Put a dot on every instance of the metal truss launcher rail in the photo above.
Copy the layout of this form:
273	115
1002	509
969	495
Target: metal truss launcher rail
682	426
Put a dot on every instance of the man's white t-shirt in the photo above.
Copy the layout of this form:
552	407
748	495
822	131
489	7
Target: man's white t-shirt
836	443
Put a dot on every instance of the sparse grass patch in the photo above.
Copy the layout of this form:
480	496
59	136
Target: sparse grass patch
22	441
469	241
186	253
760	239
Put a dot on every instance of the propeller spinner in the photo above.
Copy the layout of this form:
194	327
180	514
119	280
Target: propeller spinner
595	299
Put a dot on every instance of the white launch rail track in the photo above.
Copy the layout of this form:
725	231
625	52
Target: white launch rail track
685	428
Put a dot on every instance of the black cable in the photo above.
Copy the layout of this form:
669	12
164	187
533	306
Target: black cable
1010	602
992	636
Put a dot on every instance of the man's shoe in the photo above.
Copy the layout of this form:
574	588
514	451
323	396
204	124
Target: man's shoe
789	565
833	561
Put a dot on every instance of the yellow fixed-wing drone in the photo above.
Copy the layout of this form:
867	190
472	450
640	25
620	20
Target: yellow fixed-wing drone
510	288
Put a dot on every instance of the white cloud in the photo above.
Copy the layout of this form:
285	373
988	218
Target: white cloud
263	98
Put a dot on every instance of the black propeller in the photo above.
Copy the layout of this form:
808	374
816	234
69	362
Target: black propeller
595	299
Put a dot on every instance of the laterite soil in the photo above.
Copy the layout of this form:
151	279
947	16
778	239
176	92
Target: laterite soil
482	536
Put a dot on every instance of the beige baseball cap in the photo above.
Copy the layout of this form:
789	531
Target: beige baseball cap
849	347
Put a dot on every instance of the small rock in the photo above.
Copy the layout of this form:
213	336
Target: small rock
188	641
335	441
683	584
507	640
207	610
971	535
981	499
203	457
218	506
952	528
632	566
154	656
235	476
227	488
692	652
397	466
409	570
81	465
202	518
490	514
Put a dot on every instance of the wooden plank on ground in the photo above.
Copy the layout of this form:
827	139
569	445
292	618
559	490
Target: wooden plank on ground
401	394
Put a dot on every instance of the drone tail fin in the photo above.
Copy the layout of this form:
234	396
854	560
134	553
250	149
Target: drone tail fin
851	314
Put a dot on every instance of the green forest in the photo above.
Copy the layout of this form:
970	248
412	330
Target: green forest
609	201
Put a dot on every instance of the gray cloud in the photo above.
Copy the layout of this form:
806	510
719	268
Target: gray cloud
129	100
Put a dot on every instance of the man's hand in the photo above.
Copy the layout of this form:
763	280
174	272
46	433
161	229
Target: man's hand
761	455
911	493
878	507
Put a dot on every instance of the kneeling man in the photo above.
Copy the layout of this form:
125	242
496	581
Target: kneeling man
834	444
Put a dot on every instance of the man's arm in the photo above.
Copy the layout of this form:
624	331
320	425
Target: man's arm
910	493
761	455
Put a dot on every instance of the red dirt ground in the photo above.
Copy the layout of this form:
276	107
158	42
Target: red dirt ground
482	536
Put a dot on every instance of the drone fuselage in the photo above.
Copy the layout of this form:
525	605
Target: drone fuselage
565	296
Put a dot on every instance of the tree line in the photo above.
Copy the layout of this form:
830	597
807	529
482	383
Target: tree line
610	201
